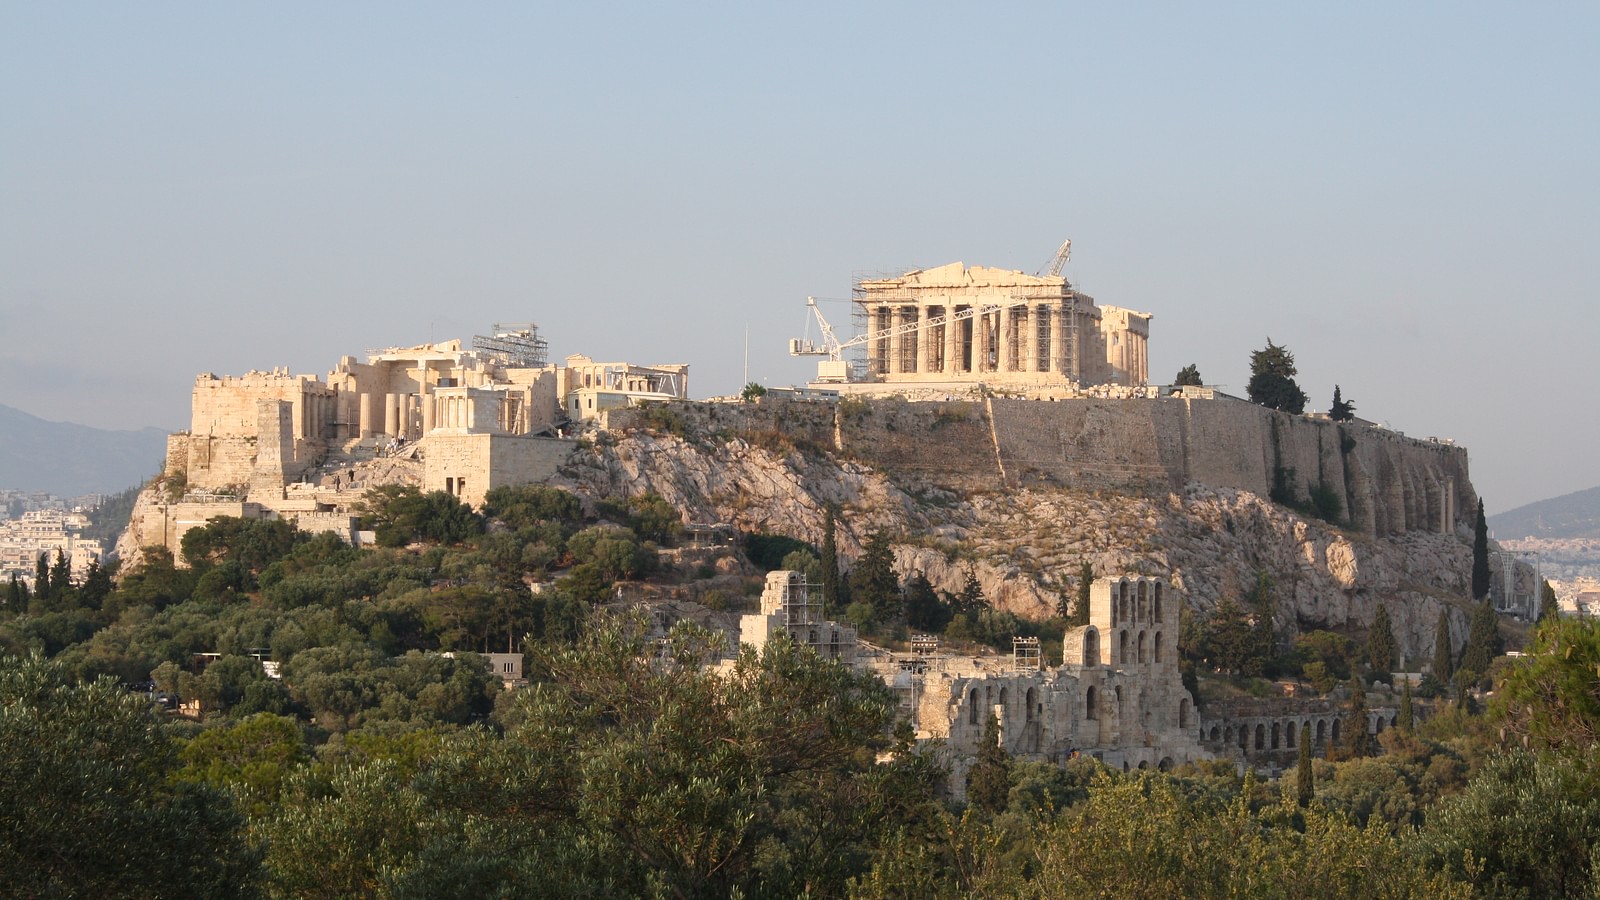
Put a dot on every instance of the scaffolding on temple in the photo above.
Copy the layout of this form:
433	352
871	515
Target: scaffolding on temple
519	342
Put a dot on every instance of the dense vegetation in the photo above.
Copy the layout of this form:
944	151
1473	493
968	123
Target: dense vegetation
377	766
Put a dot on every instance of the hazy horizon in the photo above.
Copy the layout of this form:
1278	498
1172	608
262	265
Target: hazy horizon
1404	197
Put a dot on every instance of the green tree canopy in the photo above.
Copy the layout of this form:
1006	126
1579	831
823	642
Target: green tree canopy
90	807
1342	410
1188	376
1272	383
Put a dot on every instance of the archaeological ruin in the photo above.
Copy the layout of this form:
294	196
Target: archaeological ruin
440	416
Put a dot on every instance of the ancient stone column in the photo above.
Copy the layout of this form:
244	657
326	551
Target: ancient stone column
1007	361
1057	335
391	415
875	362
427	411
893	364
1030	340
980	342
950	345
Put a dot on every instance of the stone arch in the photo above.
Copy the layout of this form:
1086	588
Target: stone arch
972	707
1157	647
1379	725
1261	736
1144	764
1144	649
1244	737
1394	720
1143	613
1091	646
1166	764
1336	731
1032	700
1091	708
1227	735
1002	697
1183	713
1274	735
1322	731
1157	591
1122	648
1289	735
1213	732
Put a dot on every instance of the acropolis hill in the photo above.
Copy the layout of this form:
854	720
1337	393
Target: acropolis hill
1129	483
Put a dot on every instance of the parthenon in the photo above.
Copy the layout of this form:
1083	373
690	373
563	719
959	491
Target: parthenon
997	326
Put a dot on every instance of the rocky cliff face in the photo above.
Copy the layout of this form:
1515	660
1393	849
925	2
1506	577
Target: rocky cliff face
932	474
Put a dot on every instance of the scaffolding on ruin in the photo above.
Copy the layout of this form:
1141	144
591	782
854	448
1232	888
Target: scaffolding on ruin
519	342
1025	655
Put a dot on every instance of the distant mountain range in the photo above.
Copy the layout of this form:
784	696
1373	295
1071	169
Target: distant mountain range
67	459
1575	515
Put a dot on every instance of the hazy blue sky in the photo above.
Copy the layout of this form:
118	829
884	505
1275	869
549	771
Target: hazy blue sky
1403	194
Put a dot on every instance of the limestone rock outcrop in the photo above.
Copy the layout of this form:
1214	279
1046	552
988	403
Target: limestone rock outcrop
1025	542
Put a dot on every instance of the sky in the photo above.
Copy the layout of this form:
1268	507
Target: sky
1402	194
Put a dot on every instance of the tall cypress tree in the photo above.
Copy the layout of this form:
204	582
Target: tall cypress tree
989	779
1407	718
1483	640
1548	606
832	585
1356	738
1304	781
1380	644
41	577
1480	555
17	597
1444	654
1080	612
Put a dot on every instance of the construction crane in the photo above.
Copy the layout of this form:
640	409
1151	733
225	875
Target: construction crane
835	369
1059	262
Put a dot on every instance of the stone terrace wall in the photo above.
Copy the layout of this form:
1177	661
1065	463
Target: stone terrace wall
1388	483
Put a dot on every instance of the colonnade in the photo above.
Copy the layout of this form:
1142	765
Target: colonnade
1028	338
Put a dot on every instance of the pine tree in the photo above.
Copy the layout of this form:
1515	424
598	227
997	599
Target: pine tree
1443	653
1188	376
1341	410
1407	717
832	584
971	598
1480	555
1380	644
1272	383
1305	784
60	576
1080	612
873	581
